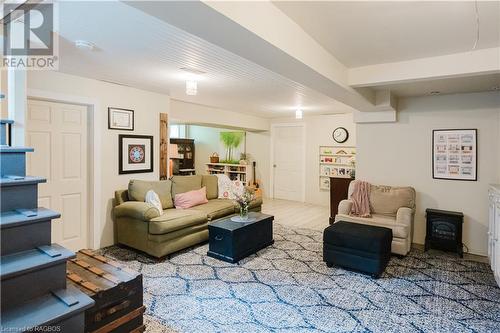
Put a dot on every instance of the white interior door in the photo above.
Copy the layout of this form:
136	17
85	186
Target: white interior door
288	162
58	133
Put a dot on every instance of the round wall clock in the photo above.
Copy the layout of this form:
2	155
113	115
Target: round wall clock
340	135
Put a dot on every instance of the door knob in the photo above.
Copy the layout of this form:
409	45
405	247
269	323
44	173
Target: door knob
274	165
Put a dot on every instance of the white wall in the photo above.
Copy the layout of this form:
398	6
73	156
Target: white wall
147	107
319	133
207	141
258	149
401	154
190	113
498	154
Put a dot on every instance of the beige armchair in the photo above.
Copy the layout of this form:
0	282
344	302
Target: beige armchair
391	207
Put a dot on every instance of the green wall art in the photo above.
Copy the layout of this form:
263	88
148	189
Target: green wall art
232	142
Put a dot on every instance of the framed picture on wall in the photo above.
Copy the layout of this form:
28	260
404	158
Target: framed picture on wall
454	154
120	119
135	154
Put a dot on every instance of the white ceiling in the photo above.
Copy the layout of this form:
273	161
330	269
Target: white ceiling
445	86
136	49
140	50
374	32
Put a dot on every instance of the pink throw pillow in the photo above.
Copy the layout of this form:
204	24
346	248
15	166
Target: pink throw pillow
191	198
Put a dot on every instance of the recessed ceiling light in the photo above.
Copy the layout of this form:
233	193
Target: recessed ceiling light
191	87
84	45
299	113
192	77
434	93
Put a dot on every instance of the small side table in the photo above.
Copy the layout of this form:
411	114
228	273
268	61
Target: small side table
232	241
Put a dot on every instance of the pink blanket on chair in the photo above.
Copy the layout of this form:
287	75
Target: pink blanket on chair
361	199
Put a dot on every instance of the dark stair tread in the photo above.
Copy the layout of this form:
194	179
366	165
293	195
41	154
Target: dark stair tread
46	310
9	149
14	218
32	260
6	121
17	181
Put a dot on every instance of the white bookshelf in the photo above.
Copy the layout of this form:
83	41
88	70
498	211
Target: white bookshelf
239	172
335	161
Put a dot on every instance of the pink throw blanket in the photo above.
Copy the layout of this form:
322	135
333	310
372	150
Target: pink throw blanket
360	199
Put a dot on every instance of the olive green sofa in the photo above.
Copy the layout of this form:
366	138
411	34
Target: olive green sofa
140	226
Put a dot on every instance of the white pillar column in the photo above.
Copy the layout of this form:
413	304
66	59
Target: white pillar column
17	104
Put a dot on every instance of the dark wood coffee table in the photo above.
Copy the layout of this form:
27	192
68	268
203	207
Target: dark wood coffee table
232	241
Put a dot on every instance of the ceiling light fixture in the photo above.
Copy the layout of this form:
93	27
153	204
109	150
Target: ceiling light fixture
192	76
84	45
298	113
191	87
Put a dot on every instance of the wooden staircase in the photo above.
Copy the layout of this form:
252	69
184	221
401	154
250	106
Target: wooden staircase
34	294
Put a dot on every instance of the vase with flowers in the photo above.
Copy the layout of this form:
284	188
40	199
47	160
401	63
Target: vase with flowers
243	199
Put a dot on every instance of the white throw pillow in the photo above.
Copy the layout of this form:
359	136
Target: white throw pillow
154	199
224	186
229	188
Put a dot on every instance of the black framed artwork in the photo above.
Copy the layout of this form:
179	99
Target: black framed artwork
135	153
120	119
454	154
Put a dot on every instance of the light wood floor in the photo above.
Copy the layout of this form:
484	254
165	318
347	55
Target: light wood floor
297	214
305	215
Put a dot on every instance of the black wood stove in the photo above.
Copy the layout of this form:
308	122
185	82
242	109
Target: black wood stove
444	230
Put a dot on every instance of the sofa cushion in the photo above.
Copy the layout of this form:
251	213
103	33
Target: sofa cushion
210	182
386	200
178	234
216	208
153	199
181	184
191	198
398	230
137	190
175	219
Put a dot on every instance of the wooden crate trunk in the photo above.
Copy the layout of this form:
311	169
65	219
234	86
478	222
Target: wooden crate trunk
116	290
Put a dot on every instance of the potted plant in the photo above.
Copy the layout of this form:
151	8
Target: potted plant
243	200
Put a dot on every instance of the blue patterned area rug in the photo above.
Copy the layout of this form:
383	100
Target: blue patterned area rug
288	288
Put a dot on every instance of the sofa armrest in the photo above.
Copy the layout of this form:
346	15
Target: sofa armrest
404	216
345	207
256	202
121	196
136	209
